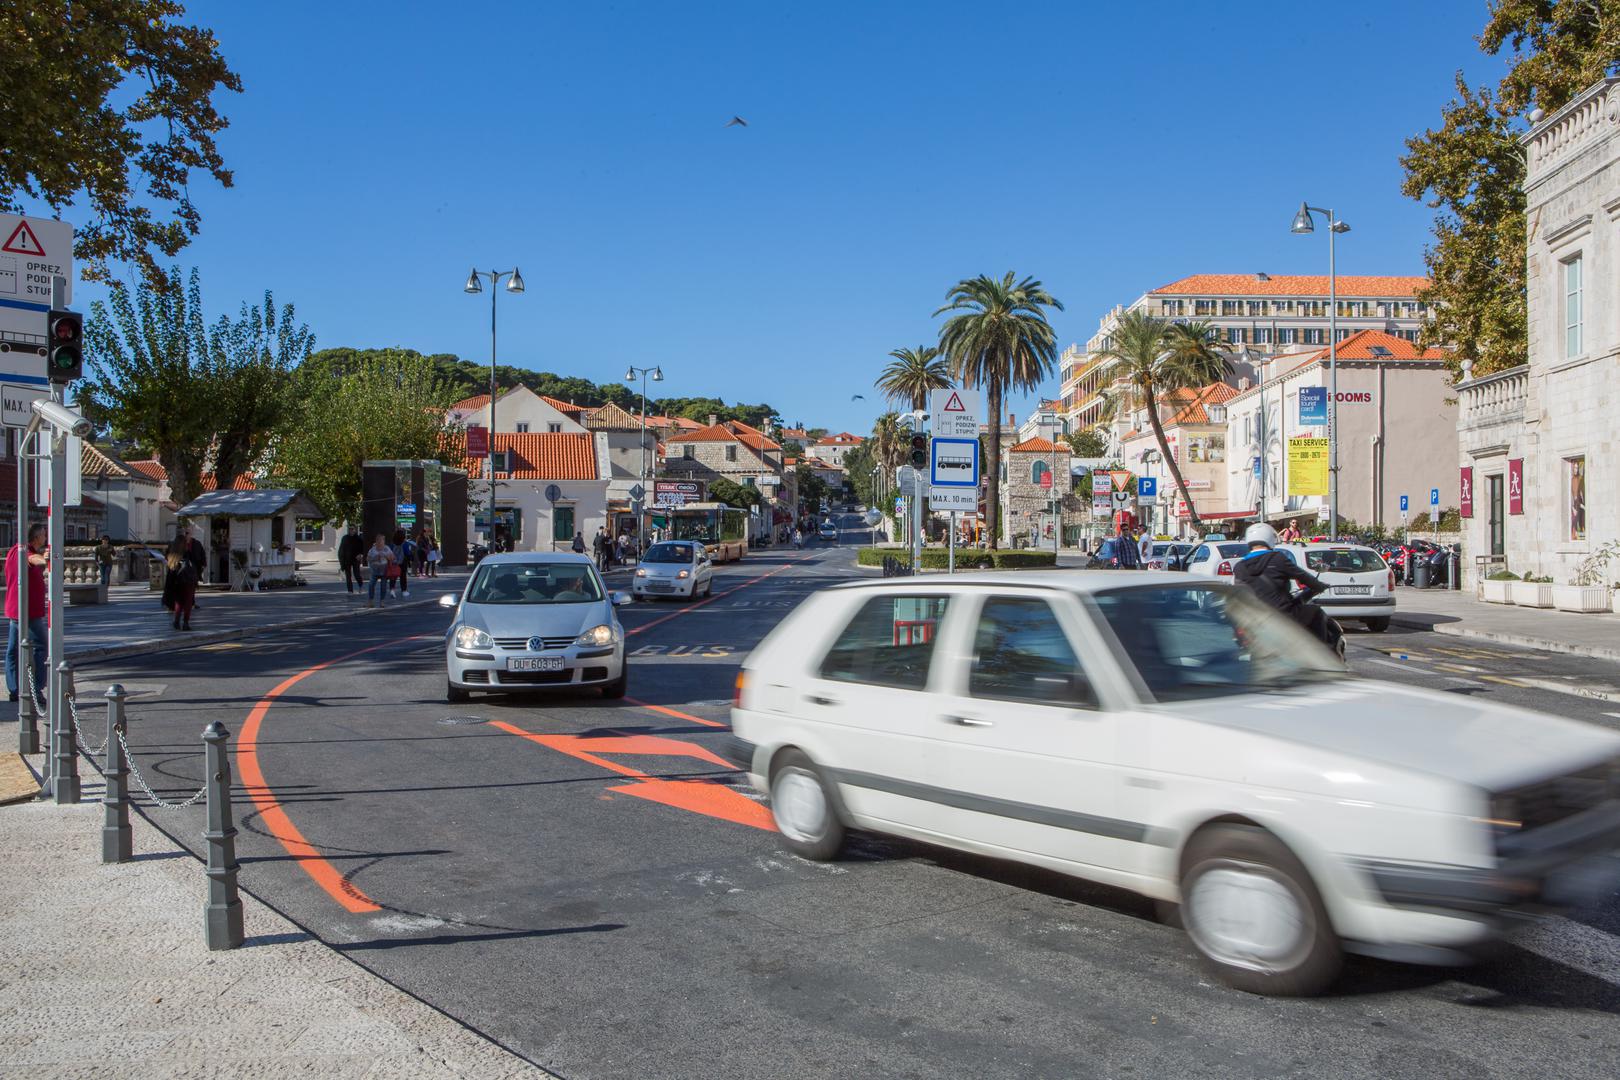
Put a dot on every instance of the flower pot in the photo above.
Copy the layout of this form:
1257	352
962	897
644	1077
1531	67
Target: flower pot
1496	592
1585	598
1530	594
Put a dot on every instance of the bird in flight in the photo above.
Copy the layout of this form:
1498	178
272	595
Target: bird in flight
858	397
736	121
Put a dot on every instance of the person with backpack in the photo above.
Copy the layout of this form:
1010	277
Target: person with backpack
579	543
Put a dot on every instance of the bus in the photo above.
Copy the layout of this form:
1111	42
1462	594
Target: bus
720	528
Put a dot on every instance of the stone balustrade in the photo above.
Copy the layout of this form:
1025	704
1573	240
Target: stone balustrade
1493	399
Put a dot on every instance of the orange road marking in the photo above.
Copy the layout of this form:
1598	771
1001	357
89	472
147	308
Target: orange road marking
676	713
305	854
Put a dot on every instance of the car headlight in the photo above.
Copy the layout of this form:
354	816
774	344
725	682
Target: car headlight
470	637
641	573
684	574
606	634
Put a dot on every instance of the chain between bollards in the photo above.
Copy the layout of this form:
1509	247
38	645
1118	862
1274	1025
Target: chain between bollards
27	715
65	779
224	910
115	834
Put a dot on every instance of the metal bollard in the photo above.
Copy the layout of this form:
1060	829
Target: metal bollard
27	715
66	779
115	836
224	909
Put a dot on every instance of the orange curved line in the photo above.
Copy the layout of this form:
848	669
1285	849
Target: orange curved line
305	854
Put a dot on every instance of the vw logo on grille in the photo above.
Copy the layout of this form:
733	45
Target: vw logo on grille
536	645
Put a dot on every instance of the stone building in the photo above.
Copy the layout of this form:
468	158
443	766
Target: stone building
1540	443
735	451
1194	422
1027	503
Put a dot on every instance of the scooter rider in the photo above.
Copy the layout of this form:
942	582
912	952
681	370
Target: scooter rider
1272	575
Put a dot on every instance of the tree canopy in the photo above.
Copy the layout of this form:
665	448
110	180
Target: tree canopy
108	108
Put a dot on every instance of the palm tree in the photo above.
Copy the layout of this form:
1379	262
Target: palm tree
888	441
1154	358
912	374
1001	341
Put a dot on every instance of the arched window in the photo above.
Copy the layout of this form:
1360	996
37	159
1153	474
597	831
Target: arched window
1036	470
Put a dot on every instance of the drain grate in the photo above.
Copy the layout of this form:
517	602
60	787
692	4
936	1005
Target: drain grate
458	721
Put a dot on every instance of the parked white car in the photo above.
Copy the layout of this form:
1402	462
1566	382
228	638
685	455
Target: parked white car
673	568
1361	584
1216	558
1179	738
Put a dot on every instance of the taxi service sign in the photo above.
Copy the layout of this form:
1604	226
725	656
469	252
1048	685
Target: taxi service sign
1307	466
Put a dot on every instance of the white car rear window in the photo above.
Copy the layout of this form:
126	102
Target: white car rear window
1343	561
889	642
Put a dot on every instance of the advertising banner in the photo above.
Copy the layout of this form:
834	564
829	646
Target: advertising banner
678	492
1313	405
1465	506
1515	484
1307	466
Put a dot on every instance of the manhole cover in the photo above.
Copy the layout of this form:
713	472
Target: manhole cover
458	721
712	703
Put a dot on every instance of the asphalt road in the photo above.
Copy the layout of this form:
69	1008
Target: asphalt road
586	882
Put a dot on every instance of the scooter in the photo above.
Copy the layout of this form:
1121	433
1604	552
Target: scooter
477	551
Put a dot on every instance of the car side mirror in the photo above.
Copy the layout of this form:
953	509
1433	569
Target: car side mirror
622	598
448	600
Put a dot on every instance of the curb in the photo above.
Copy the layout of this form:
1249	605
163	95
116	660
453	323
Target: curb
151	645
1523	641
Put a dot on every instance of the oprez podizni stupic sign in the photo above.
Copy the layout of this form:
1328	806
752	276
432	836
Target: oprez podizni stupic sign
32	252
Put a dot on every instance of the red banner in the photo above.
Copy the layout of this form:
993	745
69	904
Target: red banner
477	441
1466	503
1515	483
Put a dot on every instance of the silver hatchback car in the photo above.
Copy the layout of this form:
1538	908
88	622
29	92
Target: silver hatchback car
531	620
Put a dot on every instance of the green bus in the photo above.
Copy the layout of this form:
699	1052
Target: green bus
721	528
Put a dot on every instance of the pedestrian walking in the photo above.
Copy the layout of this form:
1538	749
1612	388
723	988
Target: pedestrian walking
798	538
105	554
180	585
599	548
400	576
351	555
1128	551
434	556
379	560
579	543
37	626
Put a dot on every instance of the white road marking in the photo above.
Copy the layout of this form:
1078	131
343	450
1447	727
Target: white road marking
1390	663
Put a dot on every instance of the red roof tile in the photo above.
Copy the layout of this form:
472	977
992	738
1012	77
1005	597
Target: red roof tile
477	401
843	438
567	408
1037	445
550	455
1194	412
1350	286
1360	345
151	468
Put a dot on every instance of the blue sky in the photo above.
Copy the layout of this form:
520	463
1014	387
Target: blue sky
382	150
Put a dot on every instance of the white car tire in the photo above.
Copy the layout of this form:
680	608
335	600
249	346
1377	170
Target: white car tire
804	808
1251	911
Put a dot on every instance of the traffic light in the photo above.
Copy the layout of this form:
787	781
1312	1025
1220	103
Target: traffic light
65	355
919	451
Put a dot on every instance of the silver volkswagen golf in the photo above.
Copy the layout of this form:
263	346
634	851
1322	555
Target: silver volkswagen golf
530	620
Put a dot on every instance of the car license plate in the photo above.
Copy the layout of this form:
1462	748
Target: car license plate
660	586
534	663
1352	590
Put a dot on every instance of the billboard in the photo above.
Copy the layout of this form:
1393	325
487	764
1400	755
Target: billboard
1307	466
678	492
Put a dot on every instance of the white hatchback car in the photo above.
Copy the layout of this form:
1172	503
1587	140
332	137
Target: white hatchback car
1215	558
1360	583
1181	739
673	568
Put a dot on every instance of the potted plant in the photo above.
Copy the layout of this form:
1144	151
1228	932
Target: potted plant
1586	591
1532	591
239	561
1496	588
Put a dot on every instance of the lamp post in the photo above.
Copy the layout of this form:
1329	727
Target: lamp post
630	374
475	285
1304	224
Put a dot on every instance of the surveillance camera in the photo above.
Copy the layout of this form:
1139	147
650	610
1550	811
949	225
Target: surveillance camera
62	418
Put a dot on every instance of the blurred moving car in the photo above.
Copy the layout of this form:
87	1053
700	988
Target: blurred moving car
1167	555
828	531
1181	739
1215	558
528	621
1361	585
673	568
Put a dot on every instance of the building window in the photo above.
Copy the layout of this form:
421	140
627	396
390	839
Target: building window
1203	307
1313	308
308	531
523	427
686	452
1231	307
1236	335
1257	307
1315	337
552	428
731	453
1572	307
1575	497
1287	337
1282	307
1172	307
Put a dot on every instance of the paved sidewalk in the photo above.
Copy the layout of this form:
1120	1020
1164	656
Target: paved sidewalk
134	621
103	972
1458	613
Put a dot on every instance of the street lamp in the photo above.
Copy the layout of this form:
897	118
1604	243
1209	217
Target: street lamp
474	285
630	376
1304	224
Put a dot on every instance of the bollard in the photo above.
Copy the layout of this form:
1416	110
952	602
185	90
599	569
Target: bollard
224	909
65	782
27	715
115	837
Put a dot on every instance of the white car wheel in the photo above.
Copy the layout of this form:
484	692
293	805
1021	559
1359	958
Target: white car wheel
1240	914
803	808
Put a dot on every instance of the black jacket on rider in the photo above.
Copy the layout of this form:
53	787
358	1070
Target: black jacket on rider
1272	574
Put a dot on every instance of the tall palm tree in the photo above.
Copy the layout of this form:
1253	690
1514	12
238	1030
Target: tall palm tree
1155	358
909	377
999	340
888	441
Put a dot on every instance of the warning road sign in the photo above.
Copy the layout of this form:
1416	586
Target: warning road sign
23	241
955	413
33	252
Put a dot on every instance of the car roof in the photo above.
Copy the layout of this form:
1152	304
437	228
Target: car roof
1331	545
1078	581
562	557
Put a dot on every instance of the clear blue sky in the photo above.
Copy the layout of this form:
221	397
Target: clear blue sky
381	151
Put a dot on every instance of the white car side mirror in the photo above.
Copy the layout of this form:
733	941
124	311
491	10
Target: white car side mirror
447	600
622	598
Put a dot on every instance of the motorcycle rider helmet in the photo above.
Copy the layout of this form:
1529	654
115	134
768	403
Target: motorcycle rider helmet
1260	533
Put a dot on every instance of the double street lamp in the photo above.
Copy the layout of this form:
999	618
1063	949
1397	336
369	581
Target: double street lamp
630	376
1304	224
514	284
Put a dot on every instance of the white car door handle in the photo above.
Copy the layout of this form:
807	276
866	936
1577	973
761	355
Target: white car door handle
968	721
816	699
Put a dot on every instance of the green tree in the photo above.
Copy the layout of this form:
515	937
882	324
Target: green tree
109	105
812	488
1471	171
1156	357
999	340
912	375
732	493
1089	443
858	465
388	406
197	397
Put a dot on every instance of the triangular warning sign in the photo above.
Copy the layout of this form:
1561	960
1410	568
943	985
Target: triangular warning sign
954	404
23	241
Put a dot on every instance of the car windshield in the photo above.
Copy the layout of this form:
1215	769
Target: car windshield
1199	641
1233	551
678	553
534	583
1343	561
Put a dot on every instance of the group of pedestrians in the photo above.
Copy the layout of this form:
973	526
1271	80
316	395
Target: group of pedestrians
607	550
384	569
